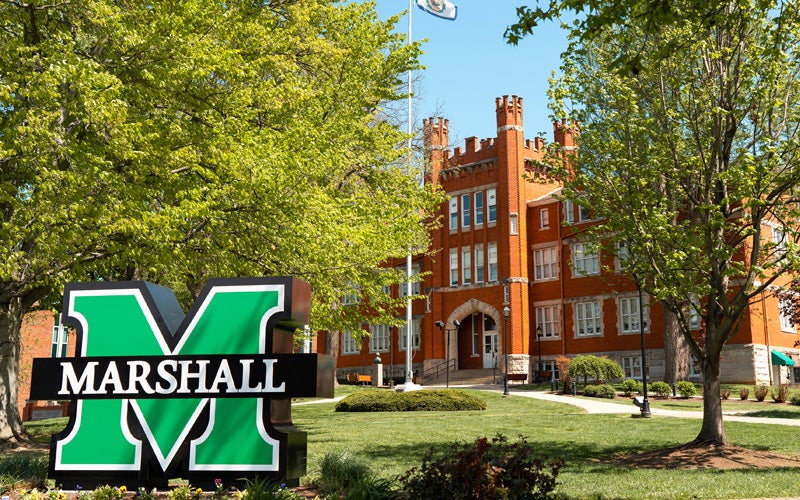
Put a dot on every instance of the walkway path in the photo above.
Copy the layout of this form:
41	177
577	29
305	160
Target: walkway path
599	406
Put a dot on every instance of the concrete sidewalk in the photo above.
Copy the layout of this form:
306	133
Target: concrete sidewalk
599	406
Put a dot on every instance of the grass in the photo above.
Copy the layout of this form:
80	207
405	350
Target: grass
394	442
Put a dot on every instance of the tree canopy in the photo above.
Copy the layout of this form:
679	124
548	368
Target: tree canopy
690	163
181	140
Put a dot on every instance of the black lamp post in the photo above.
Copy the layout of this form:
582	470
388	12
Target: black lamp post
440	324
645	408
506	314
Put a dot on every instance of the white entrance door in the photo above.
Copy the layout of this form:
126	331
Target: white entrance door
490	349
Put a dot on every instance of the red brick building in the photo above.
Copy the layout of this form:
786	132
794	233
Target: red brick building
502	247
42	336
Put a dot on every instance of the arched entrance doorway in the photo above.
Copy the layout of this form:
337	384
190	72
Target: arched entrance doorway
477	340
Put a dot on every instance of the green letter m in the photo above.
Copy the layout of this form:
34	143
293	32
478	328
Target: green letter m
148	438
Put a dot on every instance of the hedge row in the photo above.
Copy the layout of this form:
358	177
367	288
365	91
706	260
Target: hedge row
434	400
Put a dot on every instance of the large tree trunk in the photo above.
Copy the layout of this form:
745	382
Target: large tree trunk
713	430
332	350
676	350
11	315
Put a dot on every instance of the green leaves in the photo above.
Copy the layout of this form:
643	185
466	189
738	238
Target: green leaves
182	140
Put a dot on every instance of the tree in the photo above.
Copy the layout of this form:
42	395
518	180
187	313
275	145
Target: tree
691	164
600	368
187	139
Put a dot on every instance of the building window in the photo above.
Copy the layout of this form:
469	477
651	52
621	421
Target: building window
479	208
466	265
544	218
492	261
479	267
622	255
785	309
629	315
58	348
491	205
694	313
695	370
415	329
584	214
378	338
350	344
545	264
415	284
466	210
353	296
506	295
632	366
549	366
569	212
547	317
453	214
513	224
588	319
454	267
779	240
585	260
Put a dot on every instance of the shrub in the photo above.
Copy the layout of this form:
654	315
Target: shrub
24	467
601	369
795	399
761	392
372	400
495	469
600	391
629	386
562	363
263	489
687	389
661	389
744	393
724	393
780	394
342	475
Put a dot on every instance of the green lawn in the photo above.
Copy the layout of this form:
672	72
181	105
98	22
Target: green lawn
394	442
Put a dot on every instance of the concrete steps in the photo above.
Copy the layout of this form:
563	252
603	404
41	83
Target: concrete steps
466	377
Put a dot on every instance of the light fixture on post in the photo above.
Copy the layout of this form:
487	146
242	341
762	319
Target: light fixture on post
539	340
440	324
506	314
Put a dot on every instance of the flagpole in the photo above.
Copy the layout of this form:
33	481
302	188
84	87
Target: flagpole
409	385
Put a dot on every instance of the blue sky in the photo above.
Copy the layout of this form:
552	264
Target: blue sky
468	64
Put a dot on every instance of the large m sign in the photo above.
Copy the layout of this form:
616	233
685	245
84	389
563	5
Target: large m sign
204	396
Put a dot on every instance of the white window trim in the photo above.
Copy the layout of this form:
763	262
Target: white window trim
453	213
480	264
581	256
785	321
492	265
630	366
491	202
544	218
466	211
549	318
415	335
597	307
454	271
349	344
633	299
479	211
548	266
379	336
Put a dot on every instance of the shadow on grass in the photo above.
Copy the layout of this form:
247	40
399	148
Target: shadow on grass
771	414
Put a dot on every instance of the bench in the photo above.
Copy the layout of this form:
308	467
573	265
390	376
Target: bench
522	377
357	378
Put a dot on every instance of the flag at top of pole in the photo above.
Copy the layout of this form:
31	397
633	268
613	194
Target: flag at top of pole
439	8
